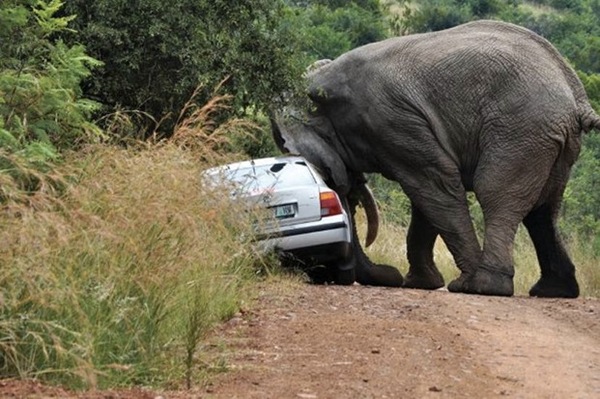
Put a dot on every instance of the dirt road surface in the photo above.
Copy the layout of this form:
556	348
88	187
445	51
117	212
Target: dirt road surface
366	342
314	342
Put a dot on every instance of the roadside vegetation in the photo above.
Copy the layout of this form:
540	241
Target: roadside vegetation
116	280
115	261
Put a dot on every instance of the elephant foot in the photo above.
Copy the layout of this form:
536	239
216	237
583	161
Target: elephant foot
555	287
483	282
424	281
380	275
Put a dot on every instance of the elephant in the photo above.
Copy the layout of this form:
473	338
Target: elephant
487	107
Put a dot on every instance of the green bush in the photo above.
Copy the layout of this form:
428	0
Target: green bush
41	104
42	110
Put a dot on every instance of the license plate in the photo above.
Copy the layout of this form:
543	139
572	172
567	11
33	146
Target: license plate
284	211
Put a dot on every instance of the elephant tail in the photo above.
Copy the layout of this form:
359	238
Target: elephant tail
589	119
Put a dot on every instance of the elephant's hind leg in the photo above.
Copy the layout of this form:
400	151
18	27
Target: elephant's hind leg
423	273
558	272
507	189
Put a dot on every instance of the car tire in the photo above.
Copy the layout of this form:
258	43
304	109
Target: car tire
319	274
345	277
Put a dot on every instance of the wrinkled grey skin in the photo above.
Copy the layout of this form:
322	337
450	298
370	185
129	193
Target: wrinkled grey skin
487	107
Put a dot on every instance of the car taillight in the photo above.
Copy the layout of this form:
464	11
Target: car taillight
330	204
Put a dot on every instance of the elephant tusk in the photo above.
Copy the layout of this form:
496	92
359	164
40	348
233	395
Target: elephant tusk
368	202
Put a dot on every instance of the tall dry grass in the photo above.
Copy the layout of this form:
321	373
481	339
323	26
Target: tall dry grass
116	278
390	248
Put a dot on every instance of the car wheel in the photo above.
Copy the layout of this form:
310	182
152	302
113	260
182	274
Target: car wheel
319	274
344	277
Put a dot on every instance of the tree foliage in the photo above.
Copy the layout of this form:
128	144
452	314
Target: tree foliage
42	110
157	53
328	28
434	15
41	104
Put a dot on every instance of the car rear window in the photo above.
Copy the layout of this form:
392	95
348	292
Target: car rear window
282	175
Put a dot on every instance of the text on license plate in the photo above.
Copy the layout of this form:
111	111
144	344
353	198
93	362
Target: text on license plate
284	211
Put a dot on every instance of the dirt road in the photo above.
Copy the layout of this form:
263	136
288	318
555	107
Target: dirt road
314	342
363	342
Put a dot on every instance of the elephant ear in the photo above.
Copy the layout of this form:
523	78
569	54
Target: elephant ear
300	135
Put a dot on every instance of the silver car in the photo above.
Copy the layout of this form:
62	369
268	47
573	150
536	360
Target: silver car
306	224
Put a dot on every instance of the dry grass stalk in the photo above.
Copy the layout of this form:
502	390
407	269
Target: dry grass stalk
200	129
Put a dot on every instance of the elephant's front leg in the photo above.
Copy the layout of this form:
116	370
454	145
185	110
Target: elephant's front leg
422	273
367	272
443	203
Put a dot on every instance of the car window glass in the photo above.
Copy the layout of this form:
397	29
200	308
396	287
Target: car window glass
281	175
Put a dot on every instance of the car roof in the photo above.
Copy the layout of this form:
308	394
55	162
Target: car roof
262	161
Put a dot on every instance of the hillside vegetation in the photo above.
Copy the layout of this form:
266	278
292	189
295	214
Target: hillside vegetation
114	259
